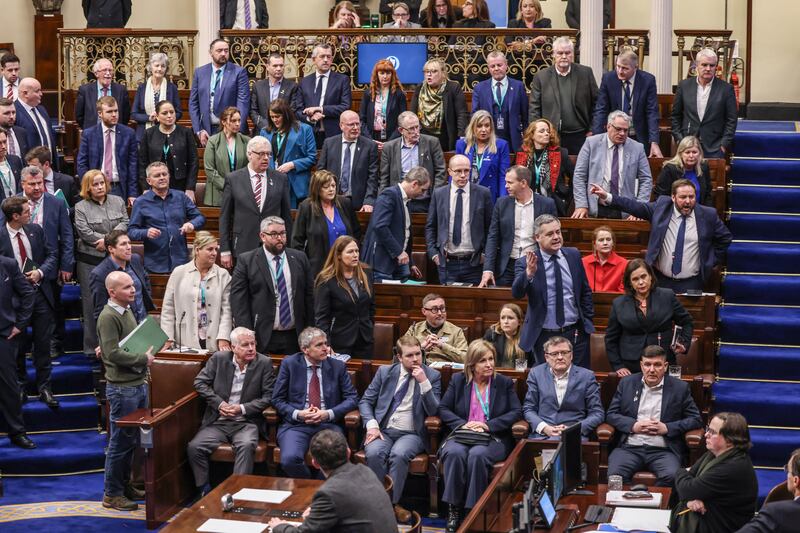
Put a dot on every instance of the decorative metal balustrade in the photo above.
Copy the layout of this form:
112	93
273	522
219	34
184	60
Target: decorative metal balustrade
718	40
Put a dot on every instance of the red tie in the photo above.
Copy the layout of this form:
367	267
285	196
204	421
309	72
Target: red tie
10	92
23	256
313	389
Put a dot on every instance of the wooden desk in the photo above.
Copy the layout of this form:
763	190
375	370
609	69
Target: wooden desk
211	507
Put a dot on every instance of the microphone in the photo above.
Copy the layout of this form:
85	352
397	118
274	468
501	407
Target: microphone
178	335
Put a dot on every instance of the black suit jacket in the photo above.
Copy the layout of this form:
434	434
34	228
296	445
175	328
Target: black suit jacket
437	227
310	233
338	99
363	172
16	298
239	217
341	316
776	517
253	293
106	13
227	14
546	103
260	101
45	257
182	151
718	126
16	169
67	185
397	104
86	104
97	282
671	173
25	121
644	105
22	140
455	115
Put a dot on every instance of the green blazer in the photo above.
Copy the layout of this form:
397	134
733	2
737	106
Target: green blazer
218	165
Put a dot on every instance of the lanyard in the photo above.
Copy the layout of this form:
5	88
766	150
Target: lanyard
384	103
503	99
537	166
232	155
483	402
279	139
276	273
35	210
166	148
203	293
6	181
478	159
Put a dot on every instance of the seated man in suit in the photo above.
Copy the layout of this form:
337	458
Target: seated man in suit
17	136
112	148
780	516
312	393
511	230
394	415
10	168
353	159
324	95
686	239
41	158
615	162
458	220
34	118
561	394
237	387
441	340
90	92
268	90
412	149
633	91
351	500
387	244
651	411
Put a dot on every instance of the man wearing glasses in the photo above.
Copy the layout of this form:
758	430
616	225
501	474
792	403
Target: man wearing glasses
780	516
441	340
252	194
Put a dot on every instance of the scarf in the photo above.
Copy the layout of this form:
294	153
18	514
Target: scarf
690	522
150	98
549	169
431	108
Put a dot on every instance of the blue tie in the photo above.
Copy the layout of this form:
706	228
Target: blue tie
458	217
626	98
559	291
398	398
344	181
318	90
285	315
677	255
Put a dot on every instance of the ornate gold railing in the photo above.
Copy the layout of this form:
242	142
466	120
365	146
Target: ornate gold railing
718	40
618	40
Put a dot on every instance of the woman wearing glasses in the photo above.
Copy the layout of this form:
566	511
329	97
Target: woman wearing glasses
401	16
440	105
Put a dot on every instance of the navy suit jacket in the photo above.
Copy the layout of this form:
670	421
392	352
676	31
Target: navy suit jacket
45	257
140	115
377	399
644	105
25	121
386	232
775	517
363	172
501	231
536	291
712	235
581	402
16	304
22	141
291	388
514	110
233	91
57	231
492	173
126	155
97	282
16	169
678	410
86	104
337	100
437	228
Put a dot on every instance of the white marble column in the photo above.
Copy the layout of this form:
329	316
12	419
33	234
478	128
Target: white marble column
207	29
660	60
591	36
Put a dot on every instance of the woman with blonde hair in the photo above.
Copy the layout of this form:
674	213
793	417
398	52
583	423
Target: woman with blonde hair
689	164
382	103
440	105
504	336
549	163
488	154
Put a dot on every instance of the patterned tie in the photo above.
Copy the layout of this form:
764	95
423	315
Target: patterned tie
105	91
626	98
257	191
108	156
285	311
23	255
248	16
398	397
10	92
217	78
615	171
559	290
314	396
677	255
344	182
458	217
12	145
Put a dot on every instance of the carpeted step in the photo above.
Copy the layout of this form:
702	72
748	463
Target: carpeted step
768	478
73	337
747	227
76	412
765	126
760	144
765	171
57	453
762	404
21	490
759	325
773	447
72	373
764	199
766	258
762	290
759	362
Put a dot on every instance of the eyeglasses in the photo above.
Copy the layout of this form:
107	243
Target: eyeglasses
400	15
437	309
411	129
459	171
562	353
711	431
621	130
275	234
260	154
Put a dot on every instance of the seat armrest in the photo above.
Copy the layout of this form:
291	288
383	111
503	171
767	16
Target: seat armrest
139	418
352	420
271	414
352	437
273	419
433	424
605	433
521	429
694	438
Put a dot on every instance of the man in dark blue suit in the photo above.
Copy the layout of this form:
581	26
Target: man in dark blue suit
324	95
33	117
511	231
458	220
41	158
651	412
686	239
505	98
559	297
393	410
780	516
89	93
26	243
633	91
312	393
215	86
387	245
10	169
112	148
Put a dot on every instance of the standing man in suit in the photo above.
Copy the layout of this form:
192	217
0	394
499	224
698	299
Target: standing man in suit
458	220
706	108
10	168
324	95
33	117
387	244
112	148
561	394
250	195
89	93
215	86
268	90
9	76
412	149
41	158
565	94
311	394
686	239
393	409
651	412
505	98
780	516
632	91
353	159
573	13
17	137
559	297
237	387
243	14
615	162
107	13
272	291
16	306
511	230
25	242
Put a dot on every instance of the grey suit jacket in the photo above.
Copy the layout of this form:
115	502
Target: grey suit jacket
635	181
260	101
431	158
437	228
545	101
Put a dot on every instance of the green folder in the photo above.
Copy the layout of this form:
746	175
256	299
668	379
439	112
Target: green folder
146	334
60	194
28	266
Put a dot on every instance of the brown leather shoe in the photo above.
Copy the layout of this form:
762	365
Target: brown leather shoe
402	515
120	503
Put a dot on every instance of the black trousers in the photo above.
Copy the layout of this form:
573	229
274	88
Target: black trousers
282	342
575	335
680	286
10	405
42	325
573	142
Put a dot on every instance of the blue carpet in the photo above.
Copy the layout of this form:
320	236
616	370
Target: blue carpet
764	199
779	228
73	524
772	447
759	362
57	453
777	145
72	373
762	404
765	126
767	478
759	325
765	172
85	487
75	413
761	289
760	257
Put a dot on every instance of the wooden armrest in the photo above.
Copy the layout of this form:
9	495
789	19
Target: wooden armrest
154	417
433	424
694	438
352	420
521	429
352	437
605	432
271	414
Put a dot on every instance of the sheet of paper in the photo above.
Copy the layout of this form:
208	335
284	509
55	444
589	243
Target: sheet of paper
627	519
262	495
216	525
614	497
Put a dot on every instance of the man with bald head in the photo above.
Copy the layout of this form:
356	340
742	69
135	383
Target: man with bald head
34	118
89	93
458	221
353	158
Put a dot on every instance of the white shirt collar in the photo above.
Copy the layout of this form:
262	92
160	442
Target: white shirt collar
660	384
118	308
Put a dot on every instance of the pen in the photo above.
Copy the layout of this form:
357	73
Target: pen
683	512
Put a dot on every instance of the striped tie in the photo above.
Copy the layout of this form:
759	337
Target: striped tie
285	311
248	16
257	190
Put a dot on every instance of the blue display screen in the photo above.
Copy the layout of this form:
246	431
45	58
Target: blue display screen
407	59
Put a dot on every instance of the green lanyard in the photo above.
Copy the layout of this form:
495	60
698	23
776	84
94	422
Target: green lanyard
35	210
279	138
483	402
7	182
232	156
479	159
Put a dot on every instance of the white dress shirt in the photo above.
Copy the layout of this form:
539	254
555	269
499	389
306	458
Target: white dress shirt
239	22
465	247
39	120
690	264
649	409
403	417
325	78
702	98
560	384
236	387
523	228
253	181
12	235
4	88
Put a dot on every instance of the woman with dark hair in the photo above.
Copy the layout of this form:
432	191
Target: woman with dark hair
173	145
689	164
294	150
344	302
719	492
478	402
225	152
549	163
322	218
604	268
645	316
475	14
382	103
504	336
156	88
440	105
439	14
487	153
